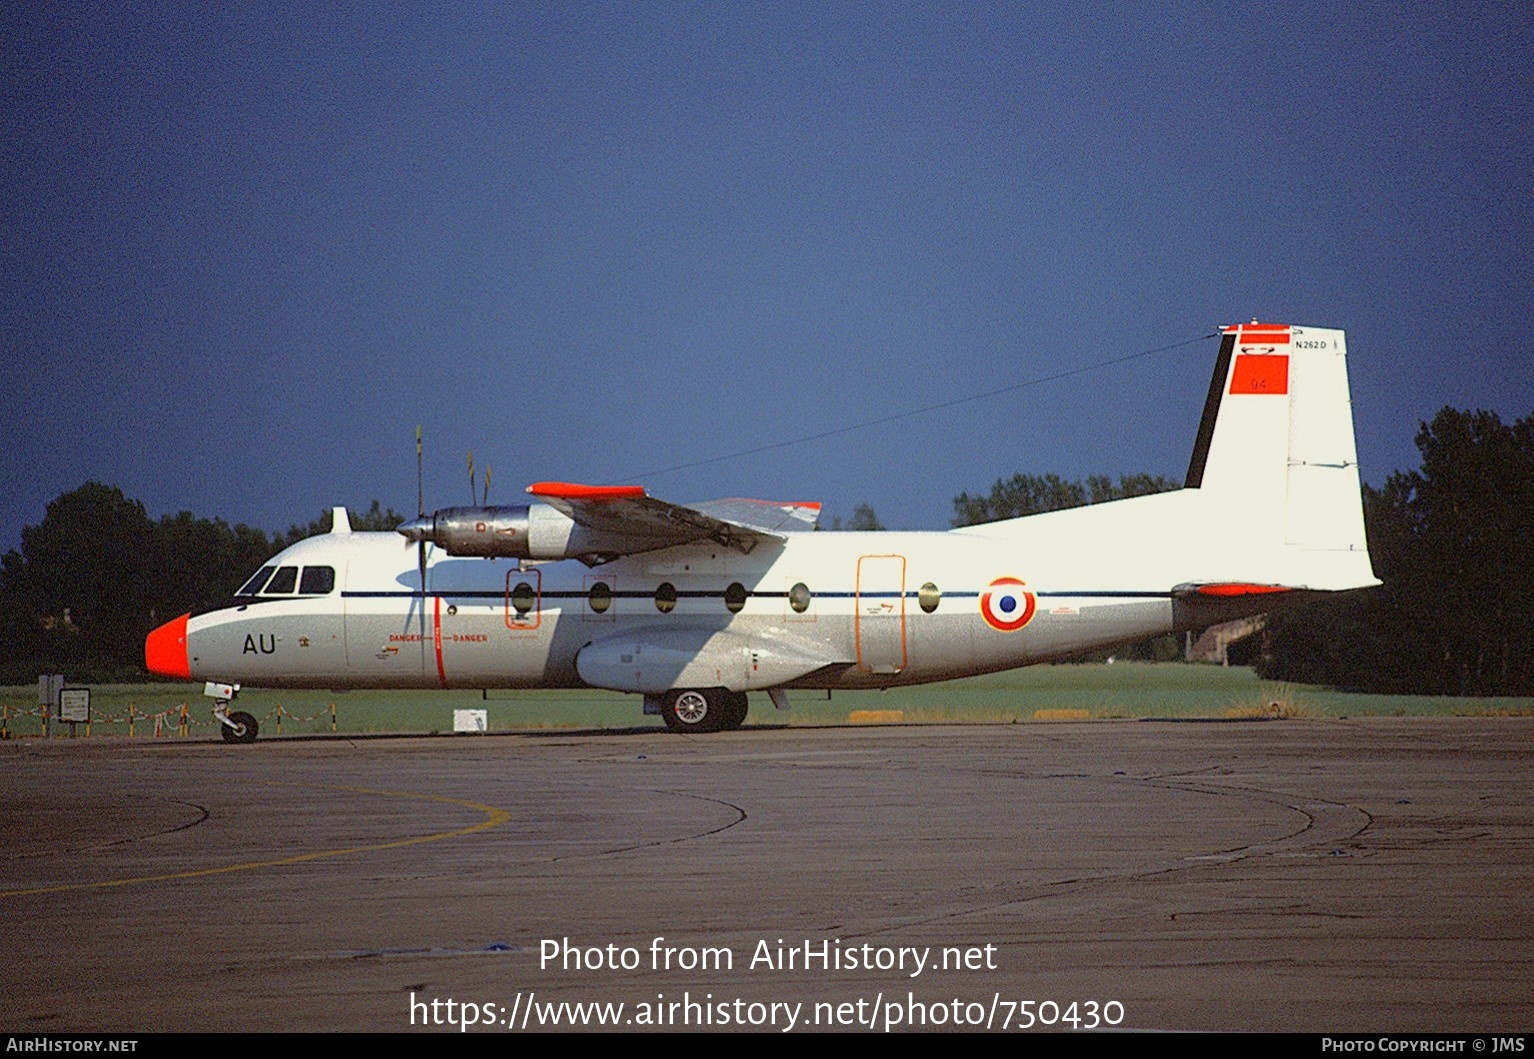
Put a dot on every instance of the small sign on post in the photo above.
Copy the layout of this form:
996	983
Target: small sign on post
75	707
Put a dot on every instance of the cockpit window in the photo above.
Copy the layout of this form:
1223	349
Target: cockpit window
253	586
282	582
317	581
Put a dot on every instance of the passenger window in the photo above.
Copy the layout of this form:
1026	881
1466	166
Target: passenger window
253	586
522	597
735	597
928	597
282	582
799	597
601	597
665	597
317	581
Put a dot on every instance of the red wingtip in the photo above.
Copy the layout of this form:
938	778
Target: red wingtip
165	650
574	491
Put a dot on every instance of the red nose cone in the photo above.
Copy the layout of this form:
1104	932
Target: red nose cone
165	650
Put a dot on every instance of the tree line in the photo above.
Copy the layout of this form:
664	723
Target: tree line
1451	540
97	574
1452	543
1034	494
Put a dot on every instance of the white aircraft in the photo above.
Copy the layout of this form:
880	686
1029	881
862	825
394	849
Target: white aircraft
693	607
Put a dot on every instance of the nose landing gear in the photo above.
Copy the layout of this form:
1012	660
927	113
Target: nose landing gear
236	727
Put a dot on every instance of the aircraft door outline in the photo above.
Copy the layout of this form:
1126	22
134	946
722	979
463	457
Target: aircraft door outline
878	613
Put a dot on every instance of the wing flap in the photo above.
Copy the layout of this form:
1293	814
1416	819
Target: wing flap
768	516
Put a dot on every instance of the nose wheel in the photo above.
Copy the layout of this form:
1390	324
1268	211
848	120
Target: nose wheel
236	727
241	727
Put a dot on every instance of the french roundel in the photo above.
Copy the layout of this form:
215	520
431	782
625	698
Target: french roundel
1006	605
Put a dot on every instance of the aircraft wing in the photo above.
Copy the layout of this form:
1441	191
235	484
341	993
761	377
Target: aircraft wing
767	516
630	520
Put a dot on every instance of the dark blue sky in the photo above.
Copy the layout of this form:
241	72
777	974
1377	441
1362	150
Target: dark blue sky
248	248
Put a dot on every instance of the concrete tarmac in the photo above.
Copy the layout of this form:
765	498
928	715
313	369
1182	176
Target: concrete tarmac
1356	875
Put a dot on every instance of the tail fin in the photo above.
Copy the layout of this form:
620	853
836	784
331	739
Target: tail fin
1271	501
1275	447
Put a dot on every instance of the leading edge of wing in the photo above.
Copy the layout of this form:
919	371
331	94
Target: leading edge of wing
643	523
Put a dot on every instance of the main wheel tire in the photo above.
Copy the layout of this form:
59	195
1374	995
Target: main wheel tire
693	709
734	712
244	728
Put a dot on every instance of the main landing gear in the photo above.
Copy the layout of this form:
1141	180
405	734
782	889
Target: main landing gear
703	709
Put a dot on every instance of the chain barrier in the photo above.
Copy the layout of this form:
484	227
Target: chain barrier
282	711
177	718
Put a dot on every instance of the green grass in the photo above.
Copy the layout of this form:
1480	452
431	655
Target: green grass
1123	690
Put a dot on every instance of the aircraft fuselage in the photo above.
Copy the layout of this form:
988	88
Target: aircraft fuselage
692	607
824	610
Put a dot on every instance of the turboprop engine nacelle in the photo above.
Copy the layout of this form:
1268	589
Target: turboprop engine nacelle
521	531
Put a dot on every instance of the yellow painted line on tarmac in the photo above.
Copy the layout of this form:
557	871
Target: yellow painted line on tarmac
493	818
876	717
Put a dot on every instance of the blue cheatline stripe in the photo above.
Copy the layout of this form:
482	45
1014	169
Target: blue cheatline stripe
1106	594
703	594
